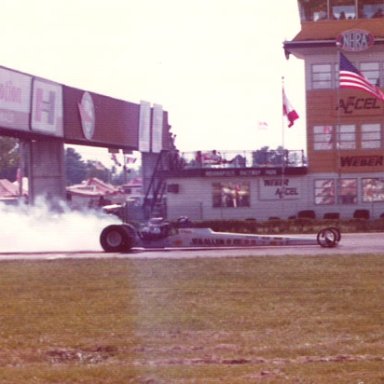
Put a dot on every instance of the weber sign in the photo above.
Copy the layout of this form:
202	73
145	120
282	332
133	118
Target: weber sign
355	40
279	188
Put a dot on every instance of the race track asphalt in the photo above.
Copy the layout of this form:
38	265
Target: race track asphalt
350	244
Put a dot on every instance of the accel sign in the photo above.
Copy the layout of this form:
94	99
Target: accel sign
354	104
355	40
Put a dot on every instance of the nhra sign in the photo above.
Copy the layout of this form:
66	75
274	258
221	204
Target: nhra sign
279	188
355	40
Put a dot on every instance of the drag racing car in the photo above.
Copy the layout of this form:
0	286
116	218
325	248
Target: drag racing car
161	234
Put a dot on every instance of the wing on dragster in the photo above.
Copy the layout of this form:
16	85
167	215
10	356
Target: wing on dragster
124	237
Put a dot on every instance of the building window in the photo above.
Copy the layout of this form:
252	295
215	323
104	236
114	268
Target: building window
322	137
347	191
370	136
325	192
230	195
373	190
313	11
317	10
342	10
346	136
371	71
321	76
373	10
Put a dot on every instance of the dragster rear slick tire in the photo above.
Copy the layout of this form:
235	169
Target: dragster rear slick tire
328	237
117	238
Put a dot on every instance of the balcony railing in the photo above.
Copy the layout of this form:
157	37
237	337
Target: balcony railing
242	159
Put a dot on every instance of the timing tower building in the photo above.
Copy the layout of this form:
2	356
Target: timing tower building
342	175
345	126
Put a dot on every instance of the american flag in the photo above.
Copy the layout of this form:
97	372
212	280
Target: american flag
351	77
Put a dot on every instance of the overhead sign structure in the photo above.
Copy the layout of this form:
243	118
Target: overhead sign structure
38	106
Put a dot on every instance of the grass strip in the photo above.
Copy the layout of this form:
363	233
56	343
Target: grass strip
231	320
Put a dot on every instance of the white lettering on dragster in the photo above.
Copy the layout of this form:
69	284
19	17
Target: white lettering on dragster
224	242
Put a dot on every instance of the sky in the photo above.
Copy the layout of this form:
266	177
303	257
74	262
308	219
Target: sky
216	66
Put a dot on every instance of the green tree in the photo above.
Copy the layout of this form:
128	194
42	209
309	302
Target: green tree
9	157
124	175
98	170
76	168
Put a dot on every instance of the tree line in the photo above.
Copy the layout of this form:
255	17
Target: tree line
76	168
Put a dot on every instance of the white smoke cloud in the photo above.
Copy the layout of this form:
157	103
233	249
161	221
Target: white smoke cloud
37	228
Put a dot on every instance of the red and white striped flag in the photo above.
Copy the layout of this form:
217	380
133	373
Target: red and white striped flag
289	111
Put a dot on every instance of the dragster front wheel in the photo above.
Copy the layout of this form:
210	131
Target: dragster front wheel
117	238
338	233
328	237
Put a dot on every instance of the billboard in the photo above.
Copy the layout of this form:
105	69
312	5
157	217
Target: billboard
38	106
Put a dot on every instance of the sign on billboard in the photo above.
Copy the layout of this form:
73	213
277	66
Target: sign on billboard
15	91
47	107
145	127
157	128
87	115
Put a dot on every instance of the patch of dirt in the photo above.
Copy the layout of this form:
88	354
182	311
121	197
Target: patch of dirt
259	360
94	355
263	375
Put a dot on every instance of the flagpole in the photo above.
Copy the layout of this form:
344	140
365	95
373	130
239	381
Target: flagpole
282	143
282	115
289	112
337	128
